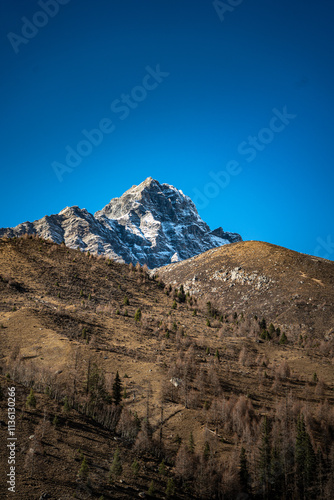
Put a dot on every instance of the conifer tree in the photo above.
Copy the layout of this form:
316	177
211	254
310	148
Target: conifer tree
283	339
116	468
31	400
138	316
206	451
305	459
135	468
84	470
271	329
263	324
191	443
66	407
243	471
321	474
117	389
265	458
170	489
181	295
162	468
277	473
151	489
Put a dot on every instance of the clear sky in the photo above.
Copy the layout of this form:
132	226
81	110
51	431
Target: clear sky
232	102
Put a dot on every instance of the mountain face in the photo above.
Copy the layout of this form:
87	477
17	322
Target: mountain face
293	290
151	223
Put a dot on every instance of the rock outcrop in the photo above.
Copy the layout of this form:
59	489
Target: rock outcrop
150	223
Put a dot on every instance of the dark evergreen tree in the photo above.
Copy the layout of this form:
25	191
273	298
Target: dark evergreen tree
117	390
206	451
95	386
277	473
170	489
162	468
116	468
31	400
320	475
263	324
191	443
181	295
135	468
243	472
283	339
137	315
126	301
66	407
265	459
151	489
84	470
305	460
271	329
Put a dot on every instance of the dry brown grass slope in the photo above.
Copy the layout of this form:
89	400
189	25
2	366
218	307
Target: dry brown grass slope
294	290
67	324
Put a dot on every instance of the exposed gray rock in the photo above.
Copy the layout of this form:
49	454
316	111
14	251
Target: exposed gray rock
151	223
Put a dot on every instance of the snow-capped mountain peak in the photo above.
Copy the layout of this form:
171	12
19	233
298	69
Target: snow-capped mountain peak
150	223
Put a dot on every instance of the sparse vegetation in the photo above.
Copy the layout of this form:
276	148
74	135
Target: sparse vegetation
204	411
137	315
31	400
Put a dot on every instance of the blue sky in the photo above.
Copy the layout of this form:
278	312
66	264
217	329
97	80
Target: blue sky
186	92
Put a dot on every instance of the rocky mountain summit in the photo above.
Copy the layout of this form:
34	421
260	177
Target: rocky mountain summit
150	223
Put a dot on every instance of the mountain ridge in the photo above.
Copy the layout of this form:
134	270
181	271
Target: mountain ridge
294	288
151	223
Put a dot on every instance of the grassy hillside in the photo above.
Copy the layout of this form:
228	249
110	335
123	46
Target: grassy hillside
293	289
203	375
